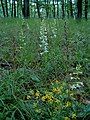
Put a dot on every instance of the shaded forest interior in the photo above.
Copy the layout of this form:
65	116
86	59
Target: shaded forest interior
45	8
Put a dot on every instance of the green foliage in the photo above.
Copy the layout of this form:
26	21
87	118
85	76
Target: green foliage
36	86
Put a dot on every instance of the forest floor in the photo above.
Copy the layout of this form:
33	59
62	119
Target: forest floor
44	69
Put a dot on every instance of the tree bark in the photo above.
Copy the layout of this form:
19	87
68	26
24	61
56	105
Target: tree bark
86	9
6	8
47	8
14	5
57	10
71	8
3	9
18	3
38	10
79	9
63	10
53	9
26	12
12	10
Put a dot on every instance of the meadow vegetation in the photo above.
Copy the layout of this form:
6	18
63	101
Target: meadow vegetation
40	61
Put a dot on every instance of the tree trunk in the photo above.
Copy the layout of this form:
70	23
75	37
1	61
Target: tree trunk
57	10
79	9
63	10
3	8
6	8
86	9
12	10
38	10
18	3
71	8
47	8
53	9
26	12
14	5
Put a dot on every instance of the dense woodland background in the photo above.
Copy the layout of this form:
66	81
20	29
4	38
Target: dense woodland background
45	8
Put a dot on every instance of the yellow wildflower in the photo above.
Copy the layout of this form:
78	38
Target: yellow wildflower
37	94
48	98
66	118
68	104
56	90
43	98
28	97
57	81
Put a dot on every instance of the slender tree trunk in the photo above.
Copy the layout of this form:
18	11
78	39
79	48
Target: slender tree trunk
14	5
31	9
9	7
71	8
79	9
21	9
18	3
53	9
86	9
6	8
47	8
12	10
3	9
63	10
38	10
26	11
57	10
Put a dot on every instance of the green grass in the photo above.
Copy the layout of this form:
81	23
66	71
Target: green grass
35	86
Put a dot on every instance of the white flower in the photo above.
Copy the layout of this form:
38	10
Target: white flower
73	87
55	36
72	78
40	45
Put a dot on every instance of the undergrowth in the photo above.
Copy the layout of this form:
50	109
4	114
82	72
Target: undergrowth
39	61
